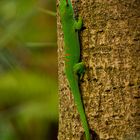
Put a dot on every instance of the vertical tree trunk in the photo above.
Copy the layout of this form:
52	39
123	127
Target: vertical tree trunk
110	48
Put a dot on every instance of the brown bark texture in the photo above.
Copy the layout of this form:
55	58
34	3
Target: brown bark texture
110	88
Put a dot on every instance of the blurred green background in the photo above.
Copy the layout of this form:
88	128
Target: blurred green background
28	70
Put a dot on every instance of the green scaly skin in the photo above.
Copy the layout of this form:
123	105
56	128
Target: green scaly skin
72	56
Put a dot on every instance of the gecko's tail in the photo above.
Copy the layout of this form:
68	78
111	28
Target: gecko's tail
80	107
93	136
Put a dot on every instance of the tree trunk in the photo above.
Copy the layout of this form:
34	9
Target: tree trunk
110	48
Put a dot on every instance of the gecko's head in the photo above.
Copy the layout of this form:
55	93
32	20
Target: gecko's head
65	8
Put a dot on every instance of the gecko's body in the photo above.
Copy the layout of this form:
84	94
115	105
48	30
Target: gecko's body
72	56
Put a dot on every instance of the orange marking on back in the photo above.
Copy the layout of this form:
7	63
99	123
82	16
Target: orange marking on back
66	57
67	54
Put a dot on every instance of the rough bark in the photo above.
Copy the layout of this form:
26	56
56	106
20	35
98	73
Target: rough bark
110	48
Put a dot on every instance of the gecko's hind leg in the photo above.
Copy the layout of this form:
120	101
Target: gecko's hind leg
78	24
79	69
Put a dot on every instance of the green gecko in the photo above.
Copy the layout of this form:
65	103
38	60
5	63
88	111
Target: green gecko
73	67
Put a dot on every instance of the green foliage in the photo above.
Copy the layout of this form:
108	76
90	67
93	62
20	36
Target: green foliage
23	86
27	96
6	131
26	22
28	91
